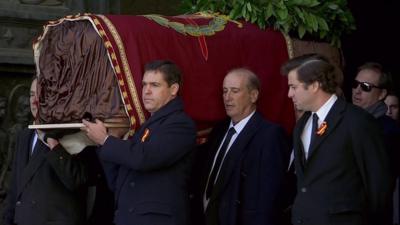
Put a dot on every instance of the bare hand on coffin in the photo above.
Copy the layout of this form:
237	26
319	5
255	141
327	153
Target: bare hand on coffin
52	142
51	137
96	131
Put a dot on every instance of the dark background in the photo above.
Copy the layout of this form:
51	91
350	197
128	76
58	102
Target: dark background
376	38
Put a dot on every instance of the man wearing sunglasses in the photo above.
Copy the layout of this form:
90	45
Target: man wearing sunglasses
370	88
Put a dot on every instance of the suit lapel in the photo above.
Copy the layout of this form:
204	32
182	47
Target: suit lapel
332	120
27	136
234	155
298	144
213	148
34	164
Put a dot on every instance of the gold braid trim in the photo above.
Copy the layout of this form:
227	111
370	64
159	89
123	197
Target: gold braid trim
123	88
131	83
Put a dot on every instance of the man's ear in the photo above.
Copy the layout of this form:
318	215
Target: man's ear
254	95
315	86
174	89
383	94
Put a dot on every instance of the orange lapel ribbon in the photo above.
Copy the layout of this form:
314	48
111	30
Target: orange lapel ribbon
145	135
321	130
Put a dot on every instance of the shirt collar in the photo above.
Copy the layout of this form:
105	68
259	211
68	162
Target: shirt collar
241	124
324	109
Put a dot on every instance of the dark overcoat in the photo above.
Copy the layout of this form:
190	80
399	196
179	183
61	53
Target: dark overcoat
149	172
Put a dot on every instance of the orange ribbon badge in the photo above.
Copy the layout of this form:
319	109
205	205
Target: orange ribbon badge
321	130
145	135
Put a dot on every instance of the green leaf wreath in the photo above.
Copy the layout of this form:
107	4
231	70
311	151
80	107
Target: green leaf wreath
323	20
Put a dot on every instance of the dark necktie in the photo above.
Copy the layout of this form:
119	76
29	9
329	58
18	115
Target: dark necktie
314	130
218	161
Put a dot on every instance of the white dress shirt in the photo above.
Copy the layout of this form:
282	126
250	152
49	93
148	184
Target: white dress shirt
35	138
322	112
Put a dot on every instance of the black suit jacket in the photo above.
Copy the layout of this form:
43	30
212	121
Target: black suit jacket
149	172
250	179
47	188
346	178
100	204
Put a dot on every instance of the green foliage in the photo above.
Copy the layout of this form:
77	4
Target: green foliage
324	20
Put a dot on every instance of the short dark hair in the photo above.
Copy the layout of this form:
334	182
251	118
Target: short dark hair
315	67
253	82
172	74
384	81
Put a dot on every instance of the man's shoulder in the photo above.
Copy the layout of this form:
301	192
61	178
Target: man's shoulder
263	128
357	113
181	117
271	131
359	119
173	112
264	123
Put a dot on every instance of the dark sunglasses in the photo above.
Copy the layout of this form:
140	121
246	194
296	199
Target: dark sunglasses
365	86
